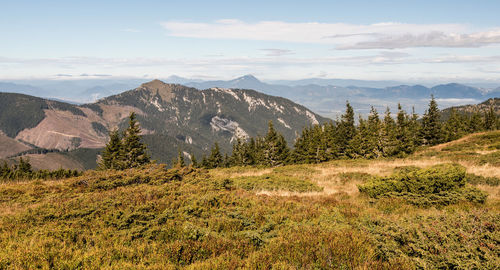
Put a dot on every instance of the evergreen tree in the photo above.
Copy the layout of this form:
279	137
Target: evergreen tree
215	159
389	143
415	128
24	166
454	127
135	151
373	145
359	145
490	119
276	150
180	160
431	124
194	162
345	131
475	122
403	133
112	156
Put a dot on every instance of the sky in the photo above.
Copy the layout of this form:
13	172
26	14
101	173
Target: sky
415	41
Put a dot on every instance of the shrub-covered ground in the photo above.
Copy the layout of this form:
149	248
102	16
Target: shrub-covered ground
292	217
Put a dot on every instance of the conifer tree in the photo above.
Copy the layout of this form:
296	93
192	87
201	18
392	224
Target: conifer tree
454	127
276	149
135	150
475	122
359	145
194	162
490	119
112	156
215	159
415	128
431	124
345	131
389	144
373	145
403	136
180	160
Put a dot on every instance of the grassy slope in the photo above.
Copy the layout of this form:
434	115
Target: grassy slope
294	217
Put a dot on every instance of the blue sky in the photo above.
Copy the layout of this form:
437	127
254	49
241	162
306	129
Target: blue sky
396	40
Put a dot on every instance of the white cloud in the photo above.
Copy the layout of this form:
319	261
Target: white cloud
386	35
277	52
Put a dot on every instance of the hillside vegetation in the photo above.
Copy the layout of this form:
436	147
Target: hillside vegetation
308	216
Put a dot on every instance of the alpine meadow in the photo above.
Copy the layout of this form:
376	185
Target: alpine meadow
136	135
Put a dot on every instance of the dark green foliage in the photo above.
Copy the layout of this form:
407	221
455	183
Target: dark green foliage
482	180
134	149
490	119
438	185
215	159
127	152
276	182
66	107
12	121
24	171
275	148
113	156
99	128
345	132
180	160
431	125
94	107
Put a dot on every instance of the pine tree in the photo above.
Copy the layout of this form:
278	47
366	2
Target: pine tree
194	162
454	127
180	160
135	151
389	143
490	119
476	122
415	130
112	156
431	124
373	145
403	135
24	166
215	159
345	131
276	150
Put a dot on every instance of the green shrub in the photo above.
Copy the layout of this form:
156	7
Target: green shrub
481	180
442	184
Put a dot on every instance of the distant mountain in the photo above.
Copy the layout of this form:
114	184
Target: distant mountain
324	96
172	117
481	107
329	100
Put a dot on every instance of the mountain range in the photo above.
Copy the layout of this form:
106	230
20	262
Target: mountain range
326	97
173	118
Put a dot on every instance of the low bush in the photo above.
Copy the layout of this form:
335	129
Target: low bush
442	184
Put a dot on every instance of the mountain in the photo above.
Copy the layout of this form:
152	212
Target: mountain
324	96
481	107
172	117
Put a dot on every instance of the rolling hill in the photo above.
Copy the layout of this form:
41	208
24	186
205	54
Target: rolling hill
172	117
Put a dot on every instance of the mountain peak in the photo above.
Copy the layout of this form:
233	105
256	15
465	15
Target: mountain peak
157	87
154	84
246	78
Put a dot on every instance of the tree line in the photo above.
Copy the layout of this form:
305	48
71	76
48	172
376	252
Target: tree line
374	137
23	170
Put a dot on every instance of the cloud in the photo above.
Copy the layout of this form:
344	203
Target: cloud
390	35
277	52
